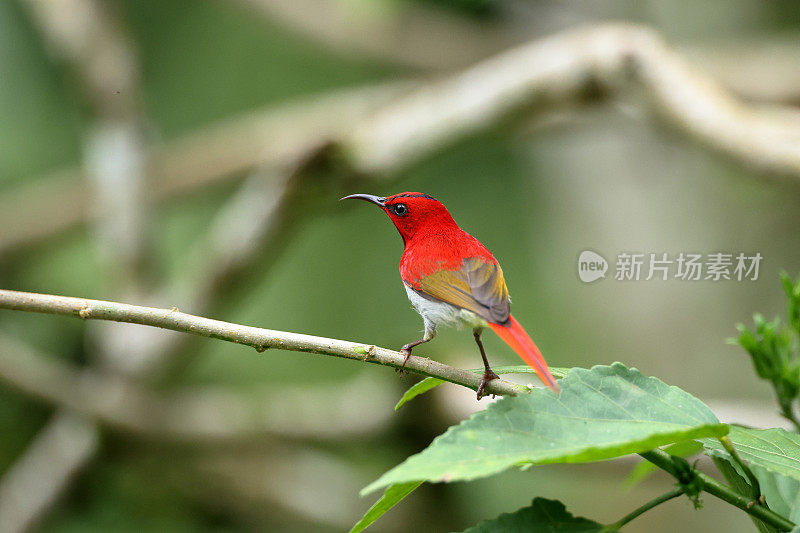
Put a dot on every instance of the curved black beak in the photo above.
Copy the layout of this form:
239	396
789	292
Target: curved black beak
377	200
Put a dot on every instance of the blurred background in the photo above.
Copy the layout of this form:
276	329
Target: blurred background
191	154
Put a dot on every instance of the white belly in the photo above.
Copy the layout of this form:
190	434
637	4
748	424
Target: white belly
436	313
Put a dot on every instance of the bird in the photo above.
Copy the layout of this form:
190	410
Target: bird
453	280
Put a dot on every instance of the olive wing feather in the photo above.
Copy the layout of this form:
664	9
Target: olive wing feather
477	286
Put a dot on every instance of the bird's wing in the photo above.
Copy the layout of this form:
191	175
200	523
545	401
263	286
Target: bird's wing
477	286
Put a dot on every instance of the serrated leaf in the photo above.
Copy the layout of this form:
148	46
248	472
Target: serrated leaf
429	383
390	498
601	413
542	516
776	450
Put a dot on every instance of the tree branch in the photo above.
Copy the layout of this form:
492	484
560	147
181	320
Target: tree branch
260	339
413	35
599	61
663	460
422	37
274	137
252	226
36	480
674	493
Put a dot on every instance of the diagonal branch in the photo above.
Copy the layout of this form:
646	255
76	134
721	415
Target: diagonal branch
92	40
274	137
37	479
258	338
710	485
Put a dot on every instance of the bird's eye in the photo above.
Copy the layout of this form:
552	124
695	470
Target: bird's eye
400	209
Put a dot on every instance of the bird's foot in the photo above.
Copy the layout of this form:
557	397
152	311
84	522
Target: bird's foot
488	376
406	351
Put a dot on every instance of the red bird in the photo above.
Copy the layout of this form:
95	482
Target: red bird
453	280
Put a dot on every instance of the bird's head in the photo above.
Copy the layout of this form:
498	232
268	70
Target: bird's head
411	212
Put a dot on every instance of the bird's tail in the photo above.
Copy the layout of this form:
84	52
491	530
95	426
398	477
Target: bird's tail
515	336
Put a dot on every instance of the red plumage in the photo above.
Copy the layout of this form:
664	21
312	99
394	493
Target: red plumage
515	336
452	279
429	252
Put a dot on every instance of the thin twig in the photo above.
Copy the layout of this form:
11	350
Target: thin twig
663	460
260	339
644	508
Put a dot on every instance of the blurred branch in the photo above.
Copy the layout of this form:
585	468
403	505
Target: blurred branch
275	137
36	480
204	413
253	222
410	34
88	35
249	221
761	68
314	485
422	37
91	39
566	69
260	339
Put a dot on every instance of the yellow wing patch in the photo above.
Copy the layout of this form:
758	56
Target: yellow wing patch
477	286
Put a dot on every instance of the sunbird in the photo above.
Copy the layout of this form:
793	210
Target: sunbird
453	280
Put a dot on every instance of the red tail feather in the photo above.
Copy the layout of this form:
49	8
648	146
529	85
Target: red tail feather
515	336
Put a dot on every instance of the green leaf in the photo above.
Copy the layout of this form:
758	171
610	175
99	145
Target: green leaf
782	493
644	468
429	383
543	516
776	450
601	413
420	387
738	483
390	498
